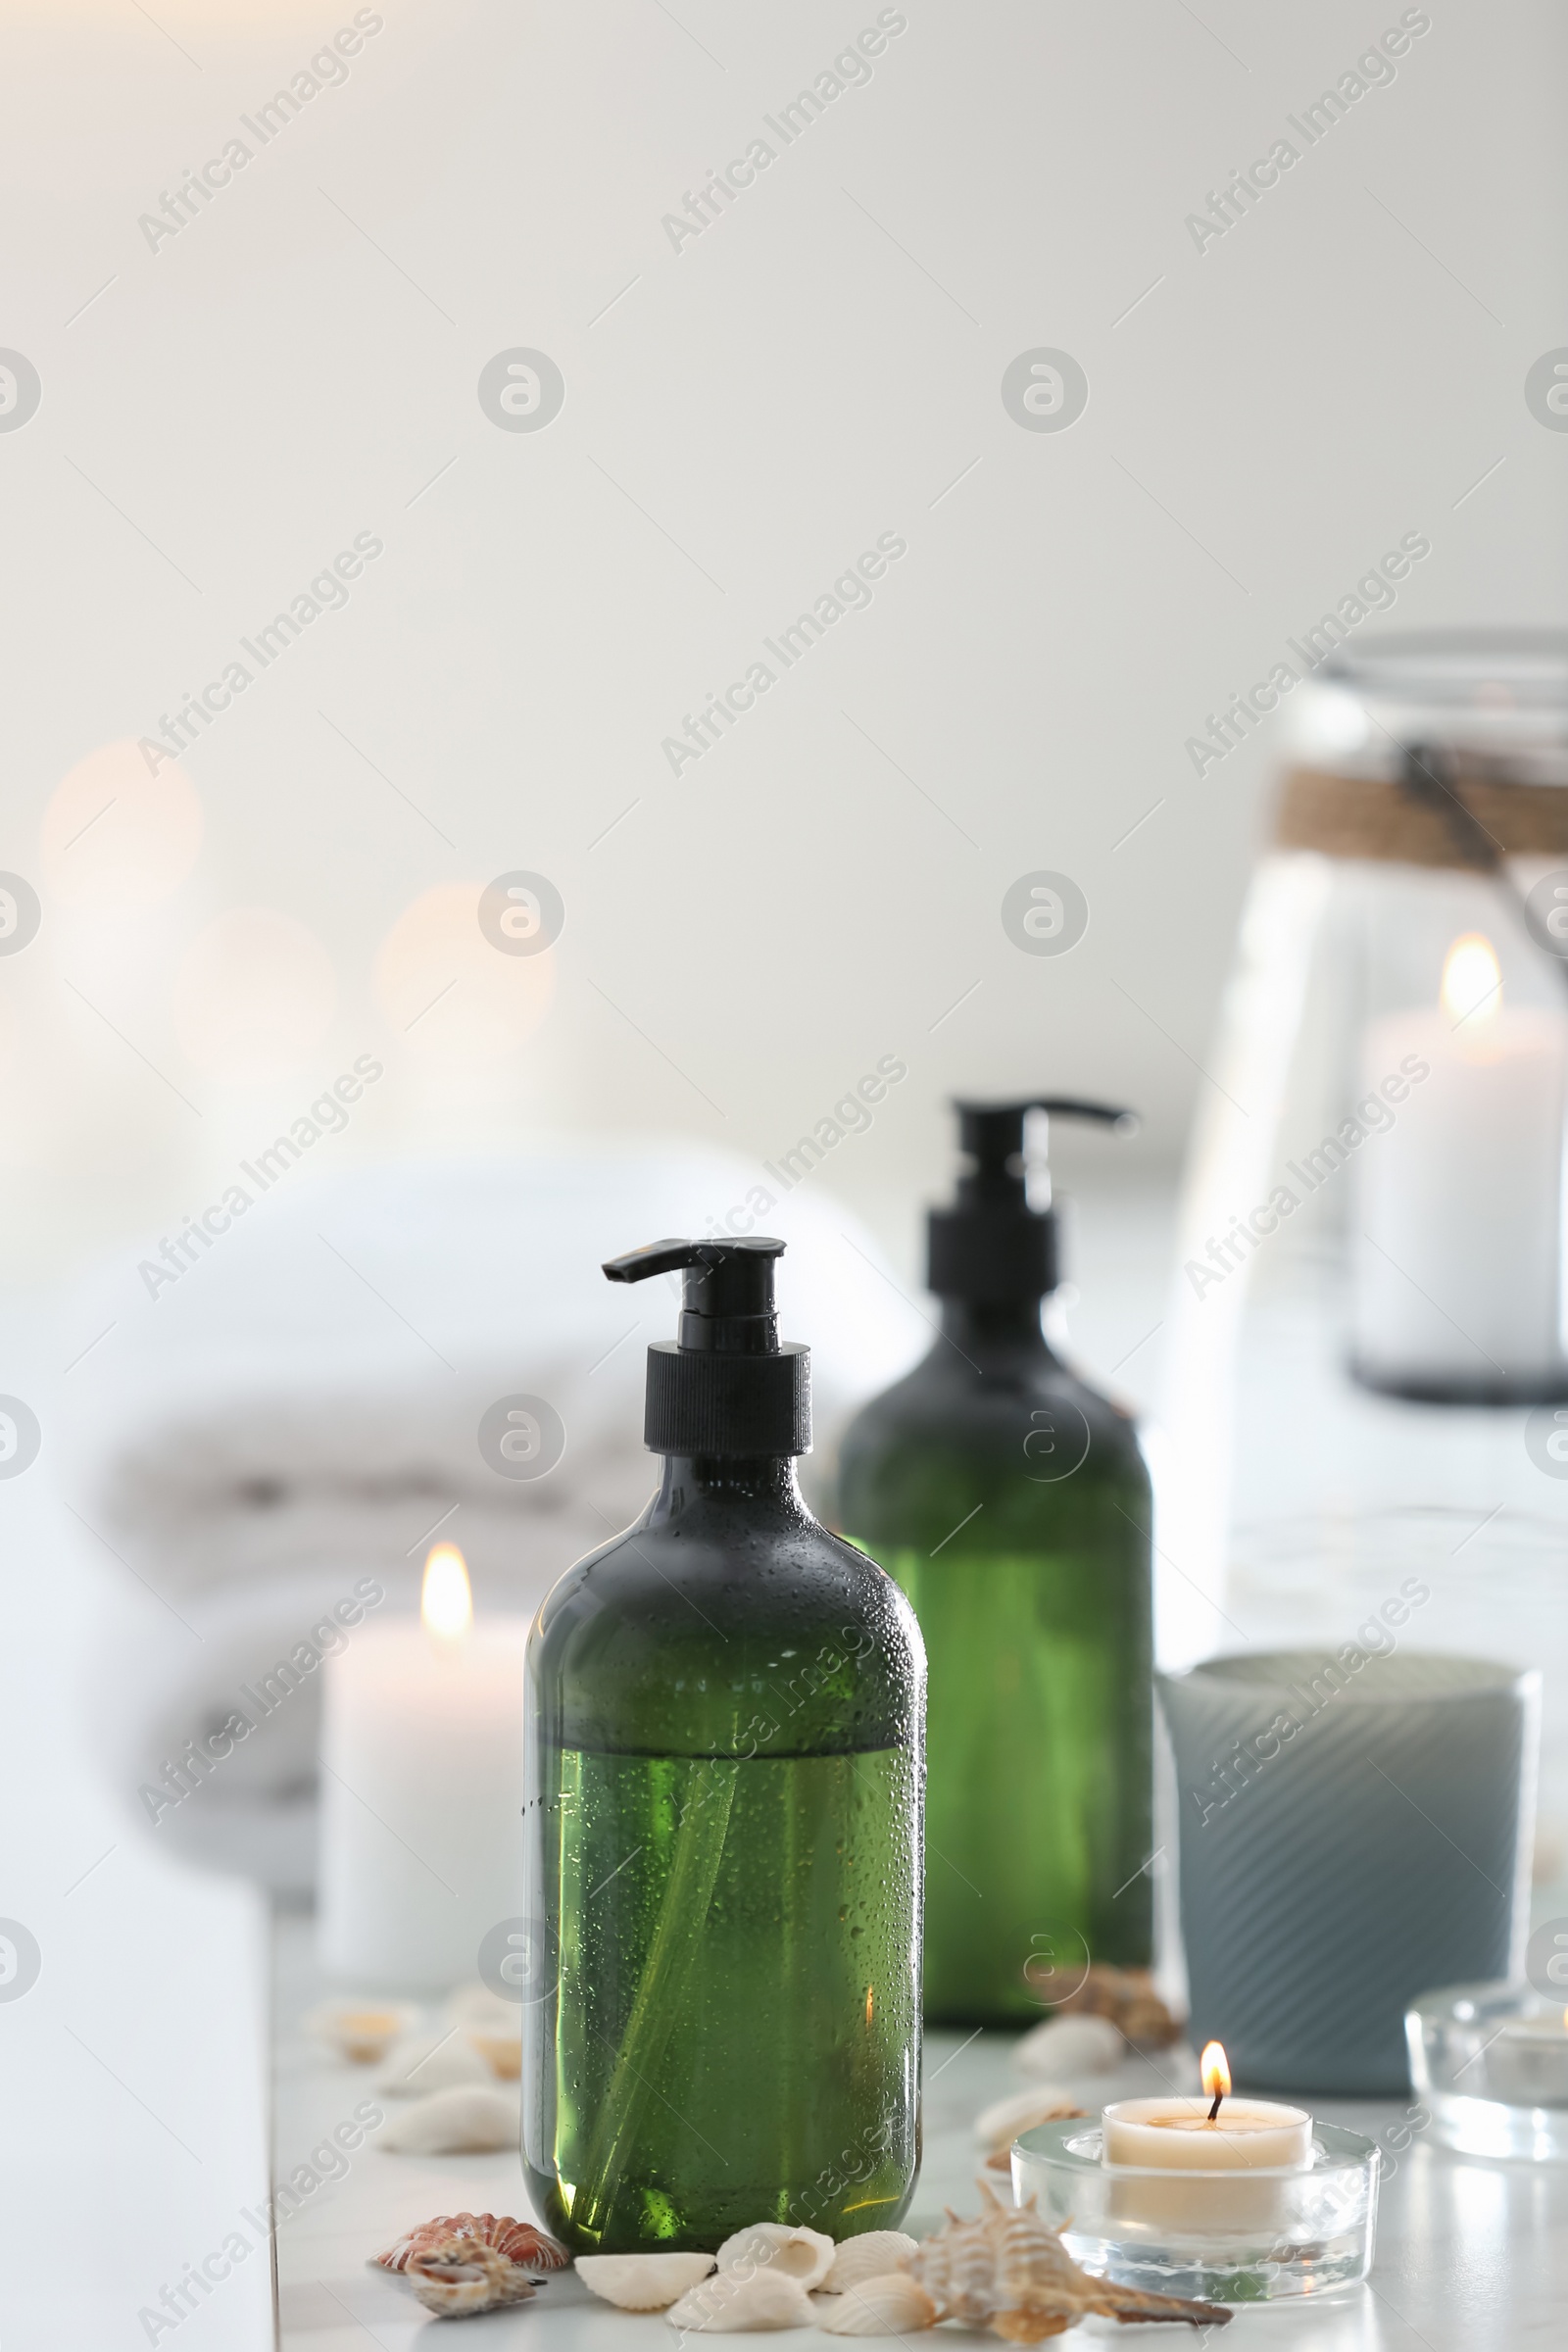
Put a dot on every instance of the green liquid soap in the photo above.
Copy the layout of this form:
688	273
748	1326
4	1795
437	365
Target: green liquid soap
708	2076
1012	1504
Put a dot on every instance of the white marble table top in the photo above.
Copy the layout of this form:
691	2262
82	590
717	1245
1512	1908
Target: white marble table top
1471	2256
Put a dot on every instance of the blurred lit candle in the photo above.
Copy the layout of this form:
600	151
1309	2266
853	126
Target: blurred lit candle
1214	2134
421	1789
1458	1245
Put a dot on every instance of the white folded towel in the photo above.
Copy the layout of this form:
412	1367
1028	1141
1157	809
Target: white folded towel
302	1411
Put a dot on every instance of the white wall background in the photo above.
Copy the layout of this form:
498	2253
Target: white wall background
222	414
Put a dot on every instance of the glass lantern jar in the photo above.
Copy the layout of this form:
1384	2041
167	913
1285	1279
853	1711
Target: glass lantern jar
1369	1316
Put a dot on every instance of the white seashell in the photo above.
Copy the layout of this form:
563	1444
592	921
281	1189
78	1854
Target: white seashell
999	2126
426	2062
460	2122
477	2005
642	2282
502	2052
805	2255
872	2256
1061	2048
361	2031
894	2304
742	2303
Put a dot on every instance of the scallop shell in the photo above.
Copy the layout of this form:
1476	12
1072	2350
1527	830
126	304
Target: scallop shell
425	2062
742	2303
458	2277
361	2031
1061	2048
527	2247
642	2282
1010	2272
460	2122
805	2255
995	2128
872	2256
893	2304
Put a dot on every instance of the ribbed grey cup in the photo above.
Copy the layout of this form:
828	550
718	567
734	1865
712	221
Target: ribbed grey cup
1333	1870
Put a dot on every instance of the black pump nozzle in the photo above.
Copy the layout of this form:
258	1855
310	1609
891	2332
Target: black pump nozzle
727	1385
991	1248
728	1290
992	1133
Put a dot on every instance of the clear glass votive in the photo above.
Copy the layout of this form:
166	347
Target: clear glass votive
1490	2061
1252	2237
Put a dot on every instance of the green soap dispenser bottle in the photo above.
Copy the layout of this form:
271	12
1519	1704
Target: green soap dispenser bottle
723	1825
1012	1503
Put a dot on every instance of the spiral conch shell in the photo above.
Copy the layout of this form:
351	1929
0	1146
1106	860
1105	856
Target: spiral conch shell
894	2304
1010	2272
461	2276
742	2303
871	2256
803	2255
642	2282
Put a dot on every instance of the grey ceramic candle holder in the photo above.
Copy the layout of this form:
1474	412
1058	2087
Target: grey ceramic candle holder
1351	1834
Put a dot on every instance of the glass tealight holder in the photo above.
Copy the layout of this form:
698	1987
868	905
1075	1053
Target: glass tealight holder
1224	2237
1490	2061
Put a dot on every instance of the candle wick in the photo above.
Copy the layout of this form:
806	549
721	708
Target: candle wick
1213	2113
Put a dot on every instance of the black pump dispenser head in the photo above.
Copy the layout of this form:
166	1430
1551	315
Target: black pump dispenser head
991	1248
727	1385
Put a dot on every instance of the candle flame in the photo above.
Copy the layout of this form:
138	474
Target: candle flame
1472	980
1214	2069
446	1604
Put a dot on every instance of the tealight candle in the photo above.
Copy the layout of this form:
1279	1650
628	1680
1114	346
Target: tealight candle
421	1790
1214	2134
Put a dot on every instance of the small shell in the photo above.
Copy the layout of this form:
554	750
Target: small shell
894	2304
426	2062
1010	2272
742	2303
1061	2048
1128	1998
642	2282
477	2005
998	2127
502	2052
522	2242
458	2276
453	2122
805	2255
869	2257
361	2031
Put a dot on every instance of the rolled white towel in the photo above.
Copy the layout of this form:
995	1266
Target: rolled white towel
303	1410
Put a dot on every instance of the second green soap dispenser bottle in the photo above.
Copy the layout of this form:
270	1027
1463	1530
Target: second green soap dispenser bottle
1012	1503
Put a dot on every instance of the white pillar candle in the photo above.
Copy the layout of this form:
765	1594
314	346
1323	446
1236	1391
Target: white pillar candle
421	1790
1458	1236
